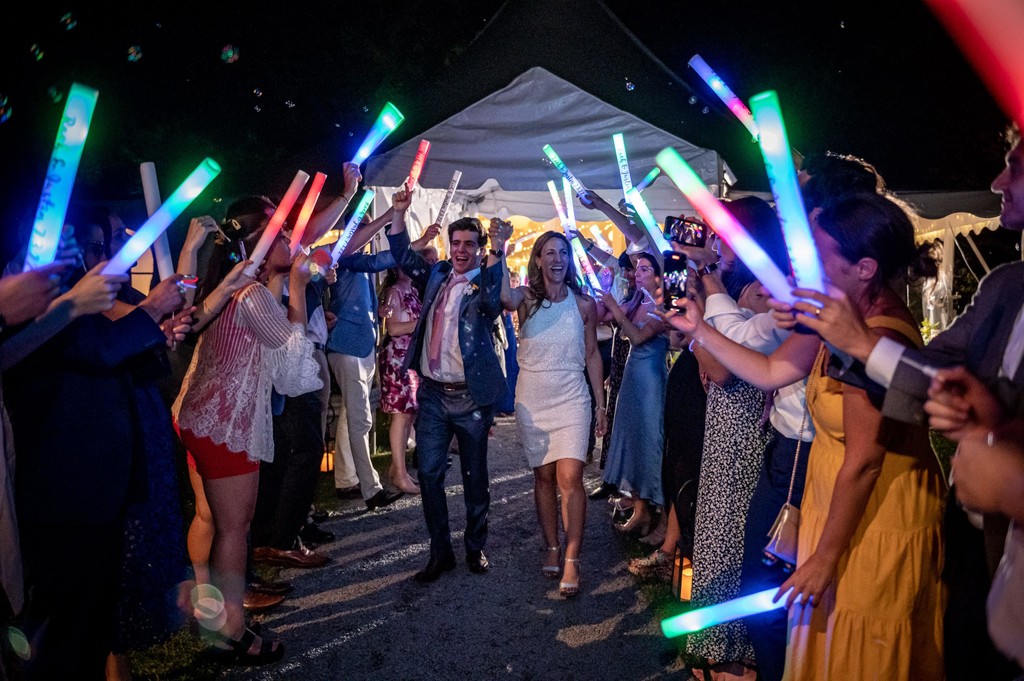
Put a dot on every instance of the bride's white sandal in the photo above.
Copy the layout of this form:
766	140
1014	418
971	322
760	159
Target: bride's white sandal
570	589
552	571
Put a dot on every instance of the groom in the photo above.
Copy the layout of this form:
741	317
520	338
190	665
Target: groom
453	350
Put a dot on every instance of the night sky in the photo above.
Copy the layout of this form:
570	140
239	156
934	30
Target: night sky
310	78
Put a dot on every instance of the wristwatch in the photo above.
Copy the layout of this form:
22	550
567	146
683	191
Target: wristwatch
707	269
495	253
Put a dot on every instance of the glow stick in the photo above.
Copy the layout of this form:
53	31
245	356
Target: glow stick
161	219
570	210
789	204
566	173
599	238
726	611
60	176
353	223
989	33
151	191
417	163
584	263
620	158
724	93
927	370
563	219
650	225
646	182
452	186
725	225
389	119
273	227
306	211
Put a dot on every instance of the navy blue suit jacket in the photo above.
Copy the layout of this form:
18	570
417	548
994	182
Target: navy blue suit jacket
354	301
479	309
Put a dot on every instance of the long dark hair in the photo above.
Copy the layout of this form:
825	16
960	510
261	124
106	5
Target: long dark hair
536	278
244	223
762	223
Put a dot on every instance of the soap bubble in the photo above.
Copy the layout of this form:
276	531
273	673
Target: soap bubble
68	21
257	92
36	51
289	103
55	95
705	110
630	85
229	54
134	53
5	109
692	100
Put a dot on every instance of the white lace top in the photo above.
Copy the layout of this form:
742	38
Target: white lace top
250	347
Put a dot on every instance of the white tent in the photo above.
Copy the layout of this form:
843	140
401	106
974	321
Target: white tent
497	145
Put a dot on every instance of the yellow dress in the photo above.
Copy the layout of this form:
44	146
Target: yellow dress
882	616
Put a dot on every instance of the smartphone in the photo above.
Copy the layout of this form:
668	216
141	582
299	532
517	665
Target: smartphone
686	231
675	274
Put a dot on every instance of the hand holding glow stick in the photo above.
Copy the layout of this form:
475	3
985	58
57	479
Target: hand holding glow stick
389	119
273	227
726	611
353	224
725	225
566	173
648	179
417	164
161	219
650	225
306	212
724	93
452	186
789	203
151	191
60	176
623	163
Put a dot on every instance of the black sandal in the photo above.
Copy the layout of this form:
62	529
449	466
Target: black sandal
238	653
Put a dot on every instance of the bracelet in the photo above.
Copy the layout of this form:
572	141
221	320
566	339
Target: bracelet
707	269
496	253
602	408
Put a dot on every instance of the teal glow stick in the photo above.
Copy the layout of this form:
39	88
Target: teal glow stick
623	163
726	611
353	223
725	225
648	179
161	219
650	225
789	203
388	119
60	176
566	173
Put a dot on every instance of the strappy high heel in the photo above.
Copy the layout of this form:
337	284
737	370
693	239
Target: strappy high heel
570	589
551	571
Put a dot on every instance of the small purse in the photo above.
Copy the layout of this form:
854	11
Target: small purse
785	532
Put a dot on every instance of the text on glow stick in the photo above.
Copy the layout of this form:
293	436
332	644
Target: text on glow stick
417	163
584	263
725	225
388	119
989	33
726	611
563	219
353	223
306	212
570	209
789	203
452	186
724	93
151	192
650	225
566	173
60	176
160	220
648	179
623	163
273	227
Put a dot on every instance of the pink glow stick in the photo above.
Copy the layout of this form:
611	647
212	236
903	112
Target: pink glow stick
273	228
417	164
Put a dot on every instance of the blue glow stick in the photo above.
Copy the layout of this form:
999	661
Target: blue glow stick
389	119
566	173
584	263
726	611
724	93
725	225
563	219
623	162
650	225
646	182
353	223
60	176
161	219
789	203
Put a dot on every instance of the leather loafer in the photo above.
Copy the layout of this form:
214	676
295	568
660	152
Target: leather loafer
435	567
312	534
602	492
382	499
477	562
257	601
272	588
300	557
348	492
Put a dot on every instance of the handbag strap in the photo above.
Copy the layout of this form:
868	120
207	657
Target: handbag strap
803	422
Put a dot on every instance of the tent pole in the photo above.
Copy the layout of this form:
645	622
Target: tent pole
974	248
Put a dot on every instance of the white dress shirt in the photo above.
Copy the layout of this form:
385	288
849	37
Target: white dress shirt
451	370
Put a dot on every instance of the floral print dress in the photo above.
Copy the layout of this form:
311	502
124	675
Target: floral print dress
398	392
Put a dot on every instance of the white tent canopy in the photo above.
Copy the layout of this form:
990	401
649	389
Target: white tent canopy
497	145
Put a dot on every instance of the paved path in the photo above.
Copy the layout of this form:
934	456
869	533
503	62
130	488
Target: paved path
363	617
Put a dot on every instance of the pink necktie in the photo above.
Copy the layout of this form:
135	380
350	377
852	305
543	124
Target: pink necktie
439	320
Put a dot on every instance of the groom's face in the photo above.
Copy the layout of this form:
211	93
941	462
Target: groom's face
465	250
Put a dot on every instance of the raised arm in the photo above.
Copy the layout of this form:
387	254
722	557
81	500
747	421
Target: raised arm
498	233
326	218
637	335
621	222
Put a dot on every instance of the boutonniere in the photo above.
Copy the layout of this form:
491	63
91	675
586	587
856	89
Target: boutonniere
471	289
